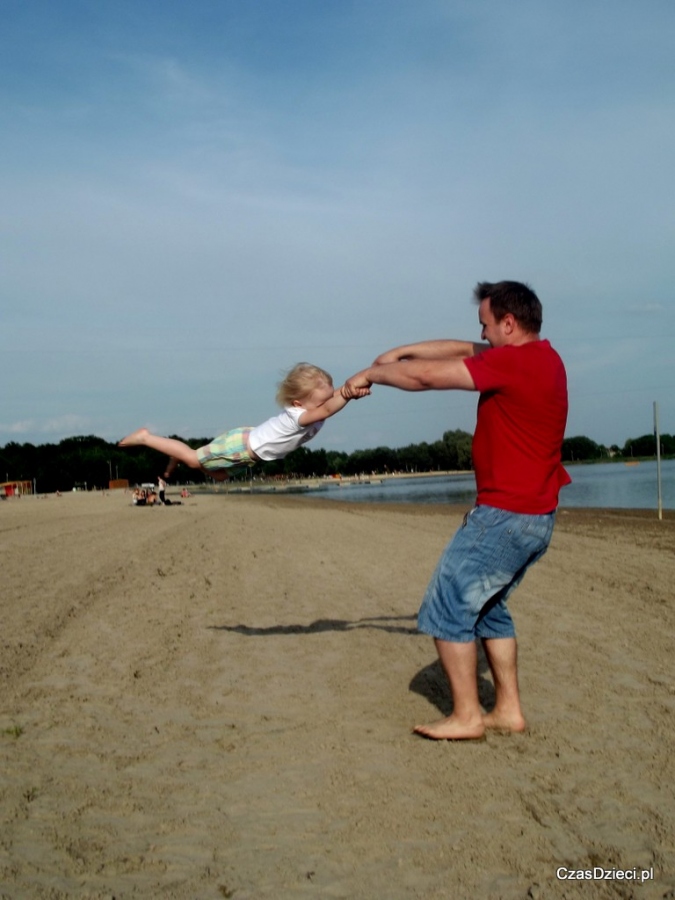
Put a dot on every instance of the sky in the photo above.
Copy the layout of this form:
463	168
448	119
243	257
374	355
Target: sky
195	196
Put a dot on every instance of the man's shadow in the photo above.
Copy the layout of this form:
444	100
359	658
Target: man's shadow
381	623
431	683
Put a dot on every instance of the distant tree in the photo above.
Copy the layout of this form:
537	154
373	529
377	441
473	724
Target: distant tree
356	464
319	462
336	461
379	460
271	468
645	445
668	444
18	461
299	463
457	450
415	458
579	449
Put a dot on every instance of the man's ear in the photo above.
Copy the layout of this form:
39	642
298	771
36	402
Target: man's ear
509	323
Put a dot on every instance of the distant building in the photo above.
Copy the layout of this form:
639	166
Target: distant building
15	488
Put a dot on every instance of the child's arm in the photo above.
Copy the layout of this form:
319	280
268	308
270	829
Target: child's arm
337	402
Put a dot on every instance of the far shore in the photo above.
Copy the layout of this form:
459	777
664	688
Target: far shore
283	483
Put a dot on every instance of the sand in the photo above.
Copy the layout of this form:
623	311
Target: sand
215	700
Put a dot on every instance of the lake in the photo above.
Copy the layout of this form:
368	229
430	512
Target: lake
606	485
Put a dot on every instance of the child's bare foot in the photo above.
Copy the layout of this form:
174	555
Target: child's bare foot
135	439
451	730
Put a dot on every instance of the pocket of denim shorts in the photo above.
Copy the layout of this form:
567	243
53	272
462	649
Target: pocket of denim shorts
539	527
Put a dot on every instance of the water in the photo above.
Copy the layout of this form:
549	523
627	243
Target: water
605	485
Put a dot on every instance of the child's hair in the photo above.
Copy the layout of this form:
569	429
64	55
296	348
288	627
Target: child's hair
301	381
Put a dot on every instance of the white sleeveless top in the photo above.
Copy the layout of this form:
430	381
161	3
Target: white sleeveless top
280	435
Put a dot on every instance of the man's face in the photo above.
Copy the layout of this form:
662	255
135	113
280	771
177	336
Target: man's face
494	332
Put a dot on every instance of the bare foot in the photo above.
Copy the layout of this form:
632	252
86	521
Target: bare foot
451	730
135	439
506	724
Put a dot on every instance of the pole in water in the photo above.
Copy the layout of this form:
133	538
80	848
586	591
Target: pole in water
658	459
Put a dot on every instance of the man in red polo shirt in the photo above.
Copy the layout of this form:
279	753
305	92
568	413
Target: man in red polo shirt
522	411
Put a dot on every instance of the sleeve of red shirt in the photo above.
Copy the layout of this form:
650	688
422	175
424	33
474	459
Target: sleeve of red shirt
488	370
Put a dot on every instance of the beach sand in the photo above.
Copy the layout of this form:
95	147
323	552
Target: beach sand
215	700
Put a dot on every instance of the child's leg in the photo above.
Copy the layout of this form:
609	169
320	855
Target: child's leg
172	447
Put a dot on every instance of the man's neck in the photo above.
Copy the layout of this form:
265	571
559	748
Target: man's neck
521	338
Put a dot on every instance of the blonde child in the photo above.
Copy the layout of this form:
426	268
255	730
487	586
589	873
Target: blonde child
307	397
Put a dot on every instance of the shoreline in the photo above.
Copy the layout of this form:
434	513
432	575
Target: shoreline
323	482
313	498
581	513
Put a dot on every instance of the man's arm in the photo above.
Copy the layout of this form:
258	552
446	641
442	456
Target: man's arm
415	375
338	401
438	350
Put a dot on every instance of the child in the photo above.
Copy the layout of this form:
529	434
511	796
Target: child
308	397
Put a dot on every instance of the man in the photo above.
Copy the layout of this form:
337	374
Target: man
522	411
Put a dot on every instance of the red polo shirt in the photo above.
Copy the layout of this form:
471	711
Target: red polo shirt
522	412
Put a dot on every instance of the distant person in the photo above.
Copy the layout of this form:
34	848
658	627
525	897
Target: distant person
307	397
161	489
522	411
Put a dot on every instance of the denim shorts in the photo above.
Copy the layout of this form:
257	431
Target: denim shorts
486	559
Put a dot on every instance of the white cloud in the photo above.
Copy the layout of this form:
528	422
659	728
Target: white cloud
68	424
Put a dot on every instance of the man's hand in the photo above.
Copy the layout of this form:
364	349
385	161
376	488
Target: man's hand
355	393
356	387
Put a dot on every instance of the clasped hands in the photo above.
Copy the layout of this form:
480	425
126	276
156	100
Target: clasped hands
356	387
359	385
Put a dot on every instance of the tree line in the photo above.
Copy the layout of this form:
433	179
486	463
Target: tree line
91	462
583	449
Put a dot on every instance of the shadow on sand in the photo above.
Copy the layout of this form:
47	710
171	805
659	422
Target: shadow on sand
382	623
431	683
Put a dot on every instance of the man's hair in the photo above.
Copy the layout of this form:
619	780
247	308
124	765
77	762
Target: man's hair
300	381
512	297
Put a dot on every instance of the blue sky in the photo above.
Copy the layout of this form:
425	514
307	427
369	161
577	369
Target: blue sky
197	195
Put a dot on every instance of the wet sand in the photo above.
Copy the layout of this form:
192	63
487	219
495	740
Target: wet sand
215	700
